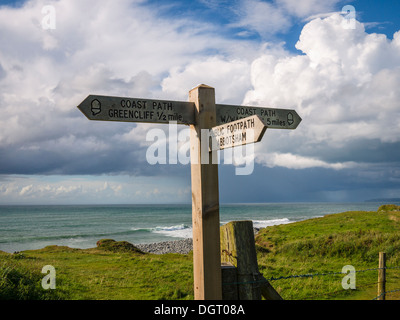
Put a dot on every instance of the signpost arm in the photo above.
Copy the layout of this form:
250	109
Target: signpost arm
205	200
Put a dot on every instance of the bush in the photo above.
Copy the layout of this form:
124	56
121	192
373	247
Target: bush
117	246
388	208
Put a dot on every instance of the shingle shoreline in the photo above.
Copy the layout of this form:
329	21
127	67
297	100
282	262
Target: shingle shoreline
177	246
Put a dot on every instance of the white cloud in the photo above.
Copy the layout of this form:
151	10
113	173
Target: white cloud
274	17
344	86
293	161
264	17
39	190
97	47
26	190
91	190
229	77
306	8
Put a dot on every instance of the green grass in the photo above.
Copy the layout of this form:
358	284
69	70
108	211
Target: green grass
20	279
327	244
118	270
98	274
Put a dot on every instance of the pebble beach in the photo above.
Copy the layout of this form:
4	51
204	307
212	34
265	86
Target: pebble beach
177	246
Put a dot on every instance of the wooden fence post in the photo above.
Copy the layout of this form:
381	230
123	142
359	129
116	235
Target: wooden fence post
238	249
382	276
229	277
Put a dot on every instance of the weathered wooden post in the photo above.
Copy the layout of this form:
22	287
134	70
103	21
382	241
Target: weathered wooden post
229	282
238	249
382	276
205	199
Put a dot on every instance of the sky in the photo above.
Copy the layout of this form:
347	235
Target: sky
337	63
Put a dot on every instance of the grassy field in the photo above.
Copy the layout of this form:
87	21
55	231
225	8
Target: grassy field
117	270
326	245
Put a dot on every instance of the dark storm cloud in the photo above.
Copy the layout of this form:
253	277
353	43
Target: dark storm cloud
314	184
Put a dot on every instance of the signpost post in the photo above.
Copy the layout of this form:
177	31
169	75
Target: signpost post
205	200
226	126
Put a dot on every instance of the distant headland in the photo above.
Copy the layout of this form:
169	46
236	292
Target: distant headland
386	200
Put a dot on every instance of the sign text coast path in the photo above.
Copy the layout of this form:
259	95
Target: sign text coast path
105	108
272	118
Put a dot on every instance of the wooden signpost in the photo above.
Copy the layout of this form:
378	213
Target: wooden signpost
227	126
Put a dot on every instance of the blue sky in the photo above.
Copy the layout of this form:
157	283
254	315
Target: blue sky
283	54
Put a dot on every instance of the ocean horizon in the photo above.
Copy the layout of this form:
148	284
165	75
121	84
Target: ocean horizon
30	227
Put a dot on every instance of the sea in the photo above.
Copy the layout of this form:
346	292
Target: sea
32	227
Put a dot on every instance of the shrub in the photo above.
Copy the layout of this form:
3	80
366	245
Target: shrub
117	246
388	208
